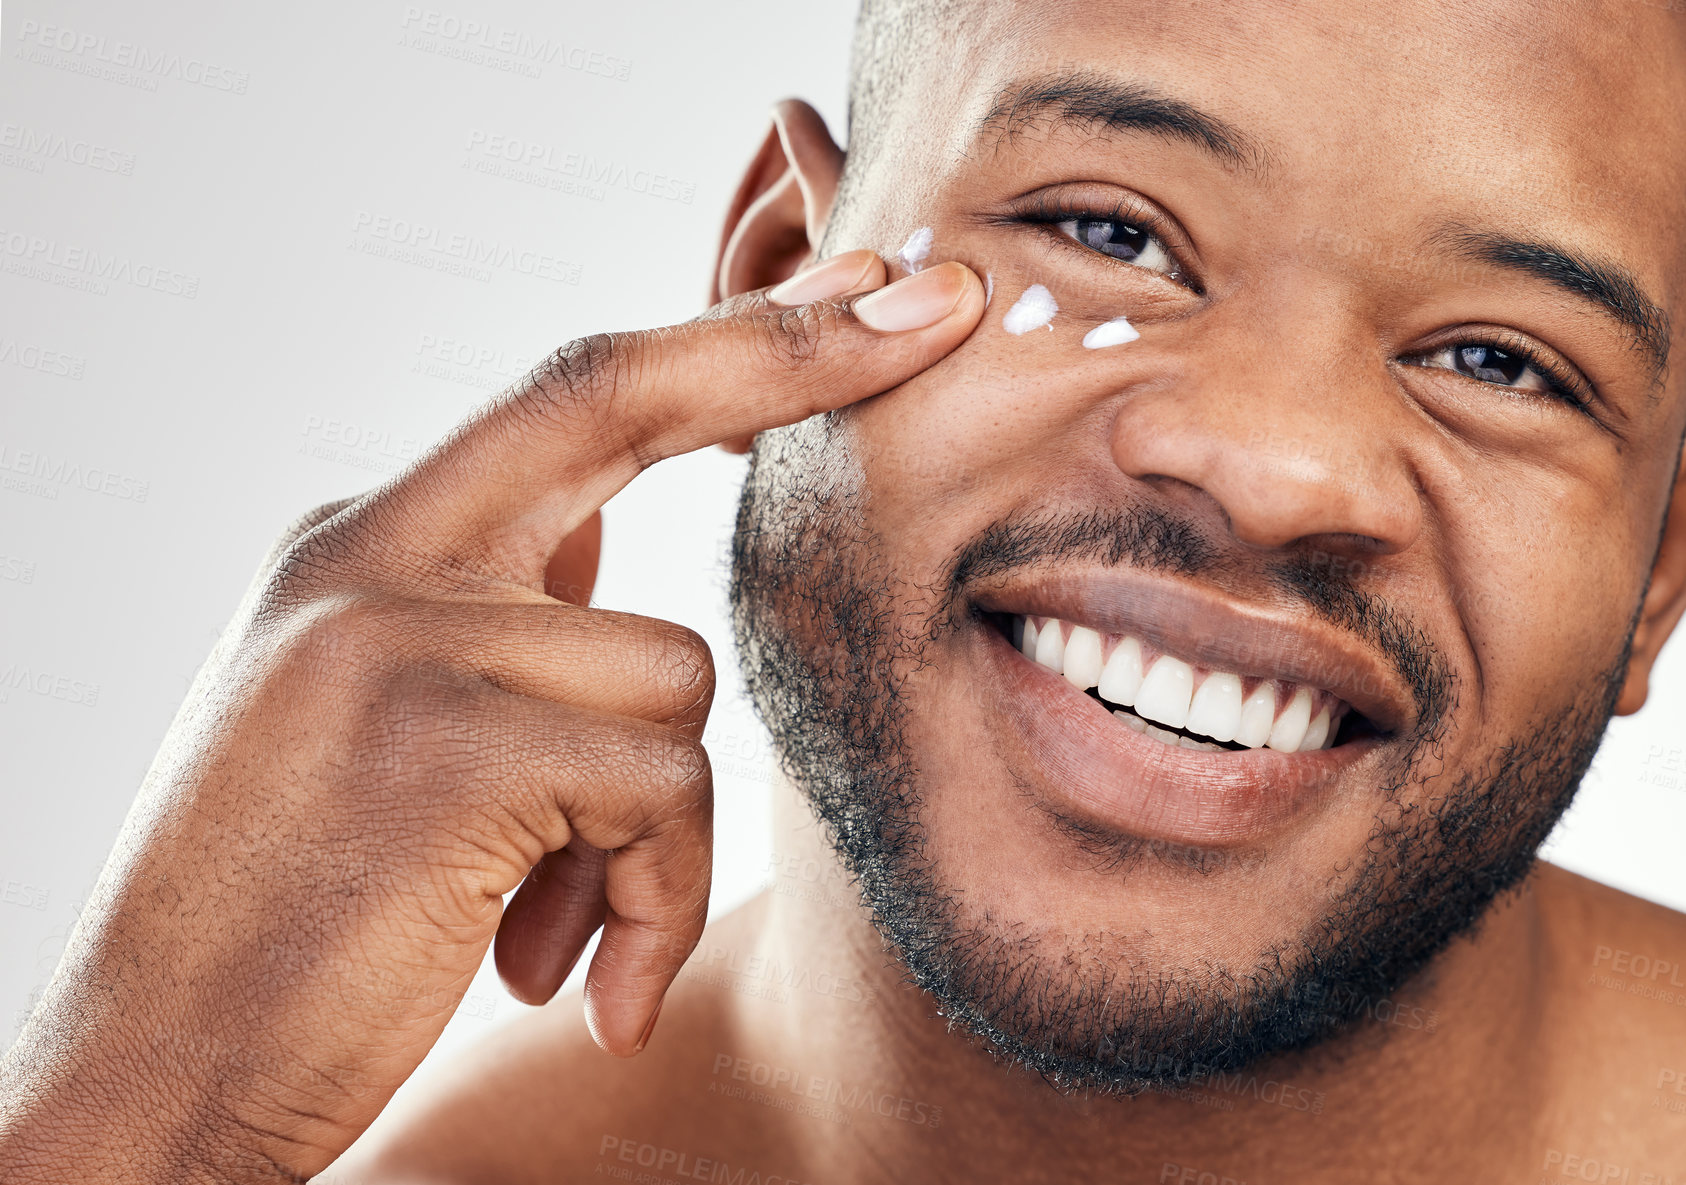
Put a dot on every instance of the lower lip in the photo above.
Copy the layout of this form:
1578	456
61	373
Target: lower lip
1092	765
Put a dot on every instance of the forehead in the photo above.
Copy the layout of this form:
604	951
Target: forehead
1603	81
1564	119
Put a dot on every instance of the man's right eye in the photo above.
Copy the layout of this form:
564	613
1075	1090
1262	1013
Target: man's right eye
1123	241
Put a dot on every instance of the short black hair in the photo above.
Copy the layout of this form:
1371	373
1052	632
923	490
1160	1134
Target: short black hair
893	39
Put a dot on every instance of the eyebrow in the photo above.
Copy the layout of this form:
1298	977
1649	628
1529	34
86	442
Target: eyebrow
1079	99
1609	286
1091	100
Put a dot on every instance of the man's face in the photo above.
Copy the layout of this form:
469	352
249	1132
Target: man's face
1393	433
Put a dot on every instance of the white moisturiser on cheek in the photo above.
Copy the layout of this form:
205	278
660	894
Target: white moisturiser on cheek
916	250
1033	310
1110	333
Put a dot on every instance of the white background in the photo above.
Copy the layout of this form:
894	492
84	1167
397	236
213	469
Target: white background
305	367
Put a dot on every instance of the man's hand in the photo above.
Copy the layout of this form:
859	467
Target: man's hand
399	728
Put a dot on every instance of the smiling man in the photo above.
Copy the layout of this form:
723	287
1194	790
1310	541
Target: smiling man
1263	509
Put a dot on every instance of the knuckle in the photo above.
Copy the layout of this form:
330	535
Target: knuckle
583	387
685	664
576	378
308	546
674	891
790	338
680	873
347	632
682	766
580	367
310	520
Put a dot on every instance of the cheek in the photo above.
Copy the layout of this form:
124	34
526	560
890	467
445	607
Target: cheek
1007	413
1543	588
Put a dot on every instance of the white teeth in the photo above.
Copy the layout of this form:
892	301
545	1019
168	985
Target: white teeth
1160	734
1166	691
1121	678
1290	727
1317	733
1216	710
1257	715
1050	646
1166	735
1083	657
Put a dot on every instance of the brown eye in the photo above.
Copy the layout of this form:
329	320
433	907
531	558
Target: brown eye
1490	364
1122	241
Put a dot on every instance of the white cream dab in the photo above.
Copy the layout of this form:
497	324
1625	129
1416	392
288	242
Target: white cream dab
917	249
1111	333
1031	311
989	289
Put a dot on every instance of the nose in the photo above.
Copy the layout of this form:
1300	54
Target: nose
1289	444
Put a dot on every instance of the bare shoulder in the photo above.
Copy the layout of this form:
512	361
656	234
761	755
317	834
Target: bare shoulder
1617	1021
1608	933
537	1101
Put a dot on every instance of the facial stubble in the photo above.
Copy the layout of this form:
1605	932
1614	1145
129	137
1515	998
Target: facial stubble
828	634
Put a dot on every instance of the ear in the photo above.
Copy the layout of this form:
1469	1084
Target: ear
778	216
1664	601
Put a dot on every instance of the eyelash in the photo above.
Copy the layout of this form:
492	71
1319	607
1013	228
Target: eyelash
1561	383
1048	212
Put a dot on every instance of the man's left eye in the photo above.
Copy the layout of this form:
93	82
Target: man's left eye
1502	368
1121	240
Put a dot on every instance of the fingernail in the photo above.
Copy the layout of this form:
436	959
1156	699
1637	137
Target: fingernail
828	278
913	302
649	1027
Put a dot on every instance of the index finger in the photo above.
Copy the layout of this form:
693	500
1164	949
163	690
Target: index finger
539	460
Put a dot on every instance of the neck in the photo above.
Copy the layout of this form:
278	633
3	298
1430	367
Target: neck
863	1038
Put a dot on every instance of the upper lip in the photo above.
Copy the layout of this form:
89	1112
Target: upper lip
1207	628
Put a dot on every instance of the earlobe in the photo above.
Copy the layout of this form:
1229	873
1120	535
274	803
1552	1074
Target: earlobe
1664	602
778	214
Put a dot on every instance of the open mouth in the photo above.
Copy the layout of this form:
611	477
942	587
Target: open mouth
1181	703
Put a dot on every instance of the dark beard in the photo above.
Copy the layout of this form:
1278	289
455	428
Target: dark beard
827	635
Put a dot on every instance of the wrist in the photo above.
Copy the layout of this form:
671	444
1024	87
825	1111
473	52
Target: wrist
74	1106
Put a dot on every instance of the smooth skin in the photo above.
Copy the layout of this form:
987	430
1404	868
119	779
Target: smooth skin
402	724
